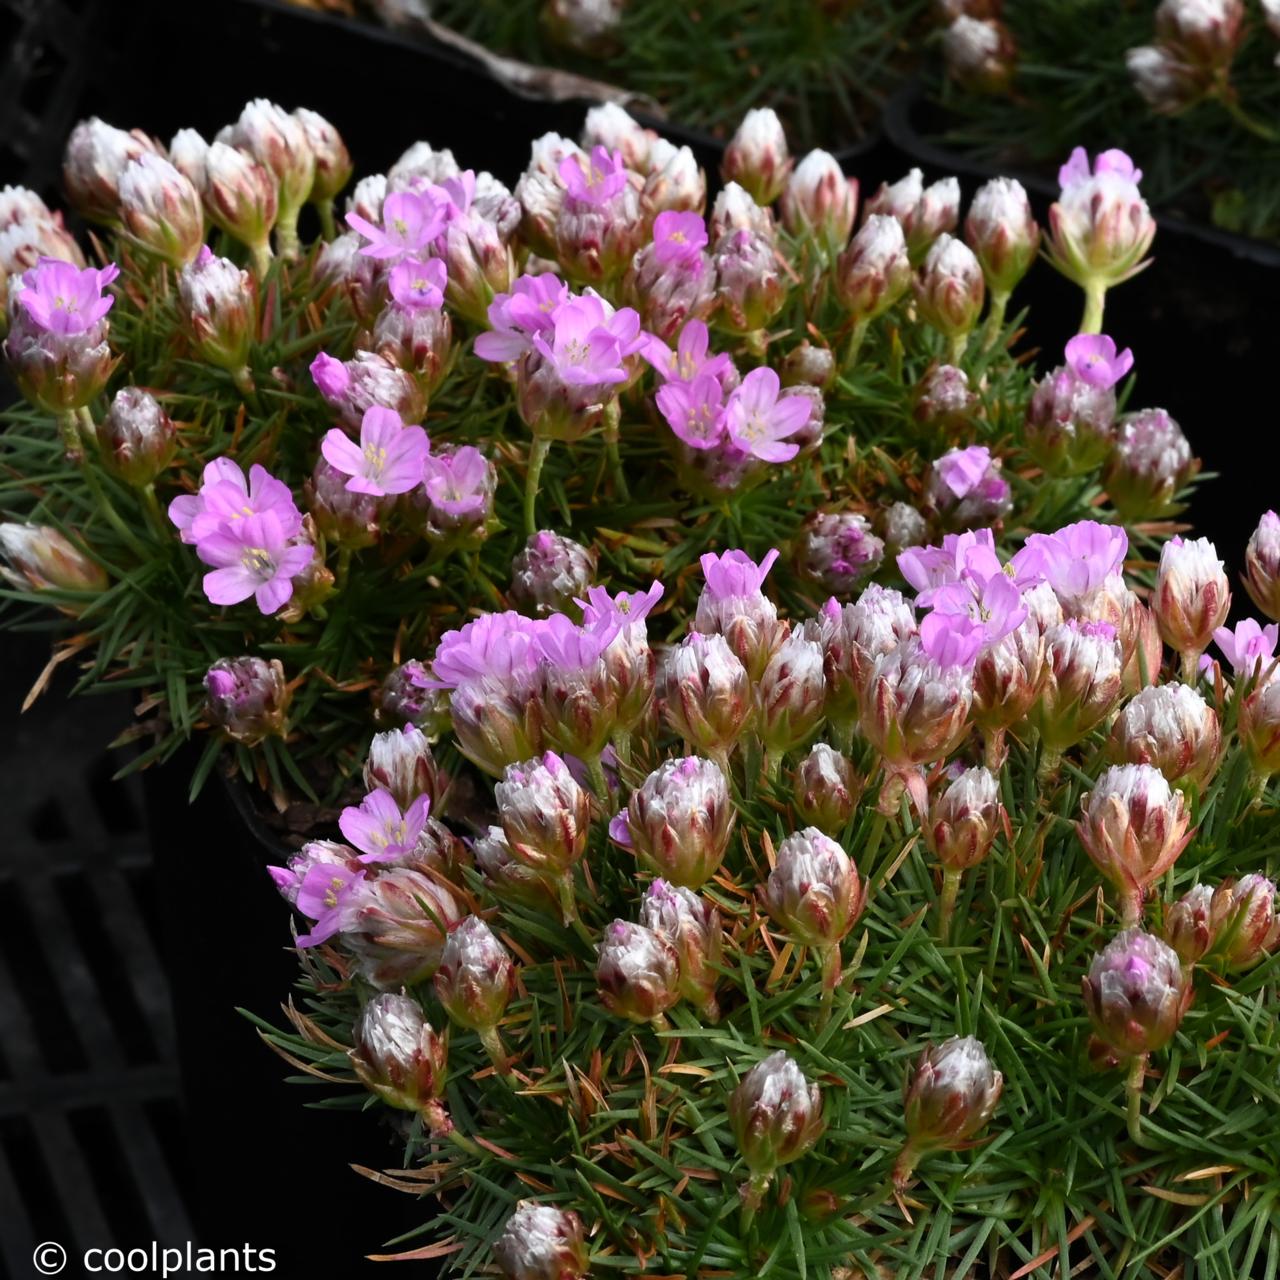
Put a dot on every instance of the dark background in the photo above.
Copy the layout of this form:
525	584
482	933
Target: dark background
103	1139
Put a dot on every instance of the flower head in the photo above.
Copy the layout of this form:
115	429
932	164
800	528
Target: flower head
389	458
226	497
679	238
515	317
416	283
410	222
379	829
596	179
1248	646
252	556
1094	360
61	298
759	421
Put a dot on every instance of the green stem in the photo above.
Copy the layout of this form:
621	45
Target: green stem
243	380
68	428
612	417
344	567
1095	301
599	783
831	970
324	210
537	456
956	348
1133	1096
994	749
874	839
995	320
260	259
1131	908
752	1194
1047	770
287	234
904	1166
493	1046
855	341
1190	667
152	504
622	745
569	908
772	765
947	903
1245	120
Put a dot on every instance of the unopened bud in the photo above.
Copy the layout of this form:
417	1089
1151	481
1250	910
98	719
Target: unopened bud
820	201
952	1094
218	307
1082	682
980	53
1136	993
692	926
160	210
1262	565
38	557
1002	233
1191	595
837	551
406	697
808	366
95	159
541	1242
964	819
706	693
789	696
332	159
1172	727
757	157
1244	921
826	789
1150	462
950	288
638	972
874	271
278	142
814	892
397	1054
1259	727
545	814
1070	426
400	761
137	437
550	571
240	197
476	978
775	1113
248	698
925	213
1188	924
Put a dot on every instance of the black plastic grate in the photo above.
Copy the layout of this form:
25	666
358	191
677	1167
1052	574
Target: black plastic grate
91	1146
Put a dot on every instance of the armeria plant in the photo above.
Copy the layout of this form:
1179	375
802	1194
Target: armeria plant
930	932
258	478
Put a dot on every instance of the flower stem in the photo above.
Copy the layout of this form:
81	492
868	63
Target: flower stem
537	456
1131	908
611	418
994	749
599	783
947	903
287	233
831	970
855	342
904	1166
324	210
493	1046
152	504
1245	120
1190	665
956	348
1047	770
752	1193
68	427
569	908
1133	1093
1095	301
260	258
995	320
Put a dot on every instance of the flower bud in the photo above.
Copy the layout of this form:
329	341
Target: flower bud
545	814
1009	673
332	159
749	283
1191	595
278	142
218	308
776	1114
952	1094
1002	233
1082	682
813	892
950	288
1188	925
1242	916
678	822
369	194
807	365
706	693
943	399
874	271
479	263
456	495
1172	727
496	725
400	761
189	154
1203	33
826	789
247	698
903	526
1149	464
160	210
541	1242
676	182
397	1054
541	192
507	877
733	605
1100	228
1259	727
590	27
1262	565
980	54
820	201
353	386
1136	993
924	212
789	696
137	437
1133	825
96	157
405	697
964	819
1070	426
1166	84
638	972
837	551
38	557
692	926
853	637
476	978
1140	643
757	157
417	339
967	489
550	571
398	927
240	197
670	292
348	519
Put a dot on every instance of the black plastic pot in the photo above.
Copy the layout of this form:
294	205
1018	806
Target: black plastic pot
1199	321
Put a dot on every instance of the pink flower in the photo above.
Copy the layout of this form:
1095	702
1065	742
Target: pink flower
595	181
951	639
459	484
1076	170
1248	645
694	410
929	568
1076	559
379	830
495	644
389	458
1093	359
410	222
679	239
758	422
332	377
588	345
328	895
568	647
252	557
735	574
689	359
61	298
225	498
962	470
993	604
418	284
627	608
529	308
